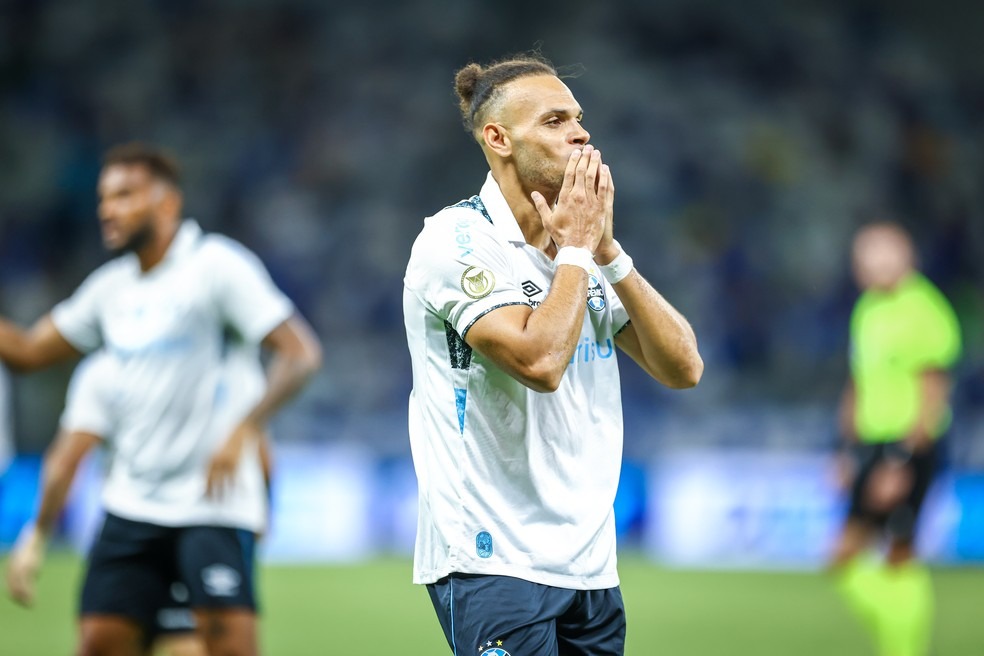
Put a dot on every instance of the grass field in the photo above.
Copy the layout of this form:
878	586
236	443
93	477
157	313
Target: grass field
372	609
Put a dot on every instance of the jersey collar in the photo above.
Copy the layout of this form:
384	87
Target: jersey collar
185	240
498	209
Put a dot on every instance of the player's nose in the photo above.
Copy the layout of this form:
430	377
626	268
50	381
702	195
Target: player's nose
580	136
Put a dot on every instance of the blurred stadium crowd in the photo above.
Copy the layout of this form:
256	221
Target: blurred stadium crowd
747	141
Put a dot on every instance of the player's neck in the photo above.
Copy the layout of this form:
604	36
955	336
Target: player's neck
155	250
520	202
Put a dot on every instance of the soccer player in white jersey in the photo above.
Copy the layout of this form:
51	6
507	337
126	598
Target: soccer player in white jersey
91	418
514	301
162	309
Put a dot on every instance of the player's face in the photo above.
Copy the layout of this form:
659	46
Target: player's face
544	123
129	198
882	257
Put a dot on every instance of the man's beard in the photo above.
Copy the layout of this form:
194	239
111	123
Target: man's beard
536	171
140	238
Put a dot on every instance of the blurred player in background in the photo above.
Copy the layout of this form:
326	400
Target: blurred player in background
904	340
92	412
6	426
191	493
514	301
86	423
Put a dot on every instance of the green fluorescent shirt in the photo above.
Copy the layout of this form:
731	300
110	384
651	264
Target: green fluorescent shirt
896	336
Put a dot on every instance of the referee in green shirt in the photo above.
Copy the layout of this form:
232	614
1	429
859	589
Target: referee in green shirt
904	340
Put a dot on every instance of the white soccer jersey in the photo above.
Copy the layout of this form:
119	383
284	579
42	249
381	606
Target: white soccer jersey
99	404
165	330
511	481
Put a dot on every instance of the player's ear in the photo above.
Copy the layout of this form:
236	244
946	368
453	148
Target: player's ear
496	138
171	200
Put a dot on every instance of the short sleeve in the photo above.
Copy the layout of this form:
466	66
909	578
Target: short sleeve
248	299
77	317
936	340
460	270
89	404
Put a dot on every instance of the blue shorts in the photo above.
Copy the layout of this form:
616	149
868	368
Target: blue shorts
133	567
176	616
501	615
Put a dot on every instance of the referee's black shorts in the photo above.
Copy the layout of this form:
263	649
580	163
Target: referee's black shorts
899	521
133	567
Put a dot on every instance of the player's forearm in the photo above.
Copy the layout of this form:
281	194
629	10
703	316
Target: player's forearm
845	414
934	401
666	341
287	374
553	330
56	481
14	346
28	350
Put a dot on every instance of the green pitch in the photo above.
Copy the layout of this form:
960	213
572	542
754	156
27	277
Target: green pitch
372	609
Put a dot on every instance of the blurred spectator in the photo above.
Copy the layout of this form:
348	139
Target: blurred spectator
752	138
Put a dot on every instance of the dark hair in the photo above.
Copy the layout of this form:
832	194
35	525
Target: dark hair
476	85
159	162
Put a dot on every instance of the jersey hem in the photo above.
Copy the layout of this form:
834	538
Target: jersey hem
570	582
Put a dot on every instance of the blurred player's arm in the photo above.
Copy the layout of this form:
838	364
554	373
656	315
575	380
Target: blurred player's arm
266	462
295	358
935	388
845	414
35	348
847	466
61	462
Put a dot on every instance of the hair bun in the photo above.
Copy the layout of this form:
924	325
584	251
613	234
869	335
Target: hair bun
466	80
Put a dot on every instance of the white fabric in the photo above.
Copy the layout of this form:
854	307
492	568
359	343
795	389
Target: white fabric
166	330
580	257
6	422
618	269
511	481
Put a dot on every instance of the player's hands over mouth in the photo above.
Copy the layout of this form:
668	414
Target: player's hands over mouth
579	217
24	565
222	468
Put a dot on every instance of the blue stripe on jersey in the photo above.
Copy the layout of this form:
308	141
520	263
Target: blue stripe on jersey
460	398
475	203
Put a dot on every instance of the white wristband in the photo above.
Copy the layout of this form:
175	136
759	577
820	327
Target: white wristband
576	256
616	270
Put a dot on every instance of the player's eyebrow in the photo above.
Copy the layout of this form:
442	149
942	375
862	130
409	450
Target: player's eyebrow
576	112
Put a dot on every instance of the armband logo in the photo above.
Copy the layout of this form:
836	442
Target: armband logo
477	282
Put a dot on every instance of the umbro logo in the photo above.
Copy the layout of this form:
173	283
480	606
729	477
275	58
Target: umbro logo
531	289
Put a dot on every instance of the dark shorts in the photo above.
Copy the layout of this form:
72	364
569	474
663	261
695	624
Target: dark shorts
900	521
175	616
501	615
133	567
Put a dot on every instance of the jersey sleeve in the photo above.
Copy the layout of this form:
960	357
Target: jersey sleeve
88	405
936	338
77	317
460	271
247	297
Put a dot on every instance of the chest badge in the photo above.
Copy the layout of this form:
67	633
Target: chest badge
596	294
